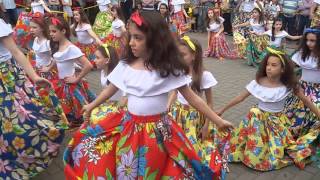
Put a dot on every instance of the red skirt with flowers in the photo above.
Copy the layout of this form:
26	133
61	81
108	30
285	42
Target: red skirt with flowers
73	97
119	43
218	47
126	146
180	22
88	50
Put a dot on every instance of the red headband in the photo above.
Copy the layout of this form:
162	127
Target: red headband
137	18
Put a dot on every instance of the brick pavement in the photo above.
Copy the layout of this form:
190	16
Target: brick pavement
232	76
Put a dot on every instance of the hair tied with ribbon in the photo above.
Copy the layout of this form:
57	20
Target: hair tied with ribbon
55	21
312	30
105	46
278	53
189	42
137	18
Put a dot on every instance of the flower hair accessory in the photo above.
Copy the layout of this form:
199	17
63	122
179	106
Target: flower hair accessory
137	18
55	21
36	15
312	30
278	53
106	49
189	42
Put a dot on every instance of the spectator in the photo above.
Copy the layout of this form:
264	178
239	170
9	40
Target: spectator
304	19
9	8
289	9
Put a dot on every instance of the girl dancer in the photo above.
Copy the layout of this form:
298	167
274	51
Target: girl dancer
306	124
191	120
22	34
263	137
41	47
102	23
179	16
87	39
106	60
117	37
143	141
256	44
32	125
217	45
72	91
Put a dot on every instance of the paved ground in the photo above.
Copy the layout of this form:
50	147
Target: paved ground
232	76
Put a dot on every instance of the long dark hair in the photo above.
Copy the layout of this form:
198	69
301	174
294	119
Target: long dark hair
261	18
114	59
288	77
197	65
305	51
60	24
163	54
119	12
83	19
273	28
167	17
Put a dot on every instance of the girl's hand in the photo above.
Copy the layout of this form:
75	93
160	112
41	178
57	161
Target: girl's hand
71	80
216	35
224	125
42	82
204	132
86	109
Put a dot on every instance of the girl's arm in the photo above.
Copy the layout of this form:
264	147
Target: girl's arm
9	44
235	101
205	130
220	30
294	37
238	5
242	25
172	98
196	102
106	93
209	34
86	68
184	12
44	5
94	36
307	102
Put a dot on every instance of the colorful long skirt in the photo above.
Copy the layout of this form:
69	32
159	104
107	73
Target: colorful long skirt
209	150
180	22
240	34
73	97
32	125
119	43
316	18
219	48
262	141
127	146
102	24
21	32
255	48
88	50
305	126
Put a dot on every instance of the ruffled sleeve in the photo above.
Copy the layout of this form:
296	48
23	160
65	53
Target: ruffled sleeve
267	94
72	52
118	24
309	63
208	80
144	82
221	20
84	27
5	29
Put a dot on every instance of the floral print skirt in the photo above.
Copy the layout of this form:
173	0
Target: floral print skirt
73	97
102	24
127	146
316	18
218	47
32	125
88	50
255	49
21	32
240	34
263	140
211	149
119	43
305	125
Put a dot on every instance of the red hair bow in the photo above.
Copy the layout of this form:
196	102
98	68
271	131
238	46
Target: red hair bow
136	18
55	21
36	15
